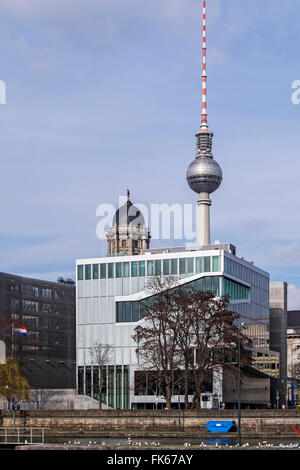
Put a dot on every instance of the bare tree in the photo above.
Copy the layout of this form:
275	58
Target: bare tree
188	332
157	348
214	334
100	357
41	397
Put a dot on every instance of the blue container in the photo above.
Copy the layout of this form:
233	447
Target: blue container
219	426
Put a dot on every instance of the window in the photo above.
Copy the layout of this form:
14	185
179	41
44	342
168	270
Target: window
15	305
216	285
206	264
190	263
102	271
123	243
95	271
119	316
158	267
118	270
142	268
80	272
235	290
87	271
181	265
199	265
150	270
35	291
46	293
135	311
216	263
111	270
30	306
126	269
127	312
166	266
134	269
174	266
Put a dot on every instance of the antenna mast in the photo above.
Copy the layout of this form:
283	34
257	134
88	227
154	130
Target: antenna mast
204	126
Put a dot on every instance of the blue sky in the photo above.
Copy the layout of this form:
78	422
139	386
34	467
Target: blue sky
105	95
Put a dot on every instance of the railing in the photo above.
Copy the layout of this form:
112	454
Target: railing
23	435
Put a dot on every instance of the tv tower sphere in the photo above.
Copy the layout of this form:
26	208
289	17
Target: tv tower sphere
204	175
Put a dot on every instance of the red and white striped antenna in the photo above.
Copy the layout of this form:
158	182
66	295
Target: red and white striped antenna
204	126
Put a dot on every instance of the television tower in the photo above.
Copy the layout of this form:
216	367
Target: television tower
204	174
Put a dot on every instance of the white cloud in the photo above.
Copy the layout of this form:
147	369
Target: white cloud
293	297
287	255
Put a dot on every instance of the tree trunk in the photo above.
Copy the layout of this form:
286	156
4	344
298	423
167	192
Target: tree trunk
186	386
168	397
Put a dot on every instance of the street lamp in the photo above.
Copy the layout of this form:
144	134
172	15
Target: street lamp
242	326
179	391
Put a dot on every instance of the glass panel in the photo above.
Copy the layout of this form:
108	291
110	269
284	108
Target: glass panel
118	270
95	393
95	271
111	269
216	263
126	387
135	311
190	264
134	269
87	271
102	271
166	266
208	283
104	382
119	313
158	267
88	380
174	266
119	387
207	264
150	270
80	272
127	311
216	285
199	265
142	268
181	265
80	379
126	269
111	386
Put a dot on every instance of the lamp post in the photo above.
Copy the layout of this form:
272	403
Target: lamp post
242	326
179	391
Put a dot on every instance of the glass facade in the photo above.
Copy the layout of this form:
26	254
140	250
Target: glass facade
186	267
133	311
235	290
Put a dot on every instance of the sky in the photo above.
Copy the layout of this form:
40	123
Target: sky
105	95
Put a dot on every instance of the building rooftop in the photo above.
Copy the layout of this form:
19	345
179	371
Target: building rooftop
218	246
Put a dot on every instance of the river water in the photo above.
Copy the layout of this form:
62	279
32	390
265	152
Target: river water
182	443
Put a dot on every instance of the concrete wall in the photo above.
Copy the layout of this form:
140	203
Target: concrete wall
114	422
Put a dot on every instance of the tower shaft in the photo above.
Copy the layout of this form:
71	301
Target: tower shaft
203	231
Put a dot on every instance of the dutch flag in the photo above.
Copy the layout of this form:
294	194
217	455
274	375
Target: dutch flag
20	330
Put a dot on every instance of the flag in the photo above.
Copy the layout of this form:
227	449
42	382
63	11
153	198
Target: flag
20	330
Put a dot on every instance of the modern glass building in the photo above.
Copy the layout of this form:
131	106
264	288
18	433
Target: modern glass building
46	356
109	292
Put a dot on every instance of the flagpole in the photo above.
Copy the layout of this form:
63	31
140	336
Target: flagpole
12	339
